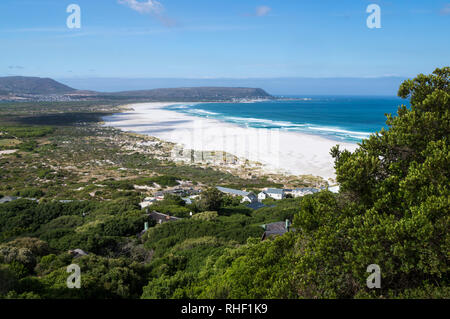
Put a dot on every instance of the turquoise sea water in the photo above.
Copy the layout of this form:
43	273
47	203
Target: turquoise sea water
348	119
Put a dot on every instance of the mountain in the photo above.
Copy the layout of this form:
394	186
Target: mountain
305	87
32	85
194	94
19	85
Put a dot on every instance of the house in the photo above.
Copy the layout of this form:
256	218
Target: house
8	199
250	198
262	196
159	196
300	192
65	201
147	202
274	193
176	191
276	229
256	205
187	200
334	189
246	196
77	253
160	218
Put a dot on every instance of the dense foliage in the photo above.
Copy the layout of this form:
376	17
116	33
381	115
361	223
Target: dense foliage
392	210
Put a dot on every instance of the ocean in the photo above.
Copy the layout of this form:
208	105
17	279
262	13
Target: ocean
340	118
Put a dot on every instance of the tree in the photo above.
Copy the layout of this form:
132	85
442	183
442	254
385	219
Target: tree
393	206
211	200
8	279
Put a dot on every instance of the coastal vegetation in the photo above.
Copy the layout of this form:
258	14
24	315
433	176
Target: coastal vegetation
80	186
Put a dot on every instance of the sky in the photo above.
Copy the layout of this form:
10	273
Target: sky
213	39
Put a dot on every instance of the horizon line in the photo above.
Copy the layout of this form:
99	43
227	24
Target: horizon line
206	78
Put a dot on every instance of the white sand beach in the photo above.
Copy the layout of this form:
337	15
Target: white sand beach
279	151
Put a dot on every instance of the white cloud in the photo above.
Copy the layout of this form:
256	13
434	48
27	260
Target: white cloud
263	11
151	7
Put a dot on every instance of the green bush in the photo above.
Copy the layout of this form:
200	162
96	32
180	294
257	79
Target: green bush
8	280
28	146
30	193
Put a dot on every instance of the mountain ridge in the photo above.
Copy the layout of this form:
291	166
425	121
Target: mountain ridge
32	85
17	85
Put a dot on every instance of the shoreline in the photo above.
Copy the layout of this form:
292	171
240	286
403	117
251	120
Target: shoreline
279	152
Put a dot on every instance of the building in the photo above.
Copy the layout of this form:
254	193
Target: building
159	196
161	218
250	198
300	192
334	189
147	202
187	200
8	199
66	201
276	229
246	196
256	205
262	196
77	253
274	193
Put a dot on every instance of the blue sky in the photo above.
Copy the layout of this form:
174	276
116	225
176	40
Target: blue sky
223	39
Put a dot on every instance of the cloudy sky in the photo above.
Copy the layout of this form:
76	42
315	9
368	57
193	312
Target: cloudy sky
218	38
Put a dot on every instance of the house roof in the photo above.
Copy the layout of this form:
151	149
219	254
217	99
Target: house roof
256	205
278	228
163	217
7	199
232	191
78	253
334	189
275	191
306	189
187	200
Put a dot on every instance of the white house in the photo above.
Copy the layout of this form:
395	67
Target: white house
274	193
262	196
246	196
300	192
8	199
334	189
250	198
147	202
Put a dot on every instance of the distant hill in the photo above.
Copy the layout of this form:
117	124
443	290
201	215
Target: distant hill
32	85
194	94
295	86
19	85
